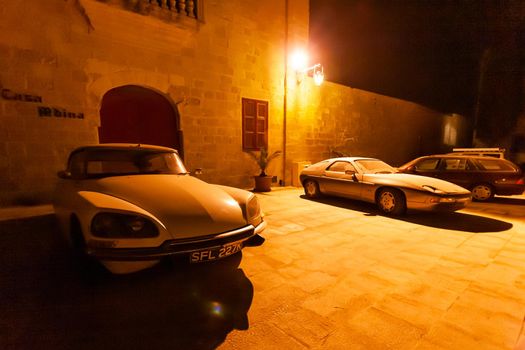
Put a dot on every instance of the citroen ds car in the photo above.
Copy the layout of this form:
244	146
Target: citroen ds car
129	205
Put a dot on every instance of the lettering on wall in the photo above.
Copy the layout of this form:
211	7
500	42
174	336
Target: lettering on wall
13	96
43	111
58	113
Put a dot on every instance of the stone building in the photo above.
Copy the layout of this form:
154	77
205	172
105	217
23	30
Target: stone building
206	77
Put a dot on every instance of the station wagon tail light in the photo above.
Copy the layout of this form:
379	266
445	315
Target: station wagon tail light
510	181
116	225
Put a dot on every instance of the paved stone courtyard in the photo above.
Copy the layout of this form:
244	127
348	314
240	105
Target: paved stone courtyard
333	274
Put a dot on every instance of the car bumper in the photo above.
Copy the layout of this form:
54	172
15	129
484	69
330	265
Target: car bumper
509	189
443	204
174	246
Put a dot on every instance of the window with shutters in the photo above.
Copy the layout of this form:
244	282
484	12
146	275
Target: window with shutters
254	124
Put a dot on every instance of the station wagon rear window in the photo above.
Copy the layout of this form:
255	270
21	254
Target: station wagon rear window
493	164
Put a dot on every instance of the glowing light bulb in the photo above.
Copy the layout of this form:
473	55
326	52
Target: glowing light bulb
299	60
318	77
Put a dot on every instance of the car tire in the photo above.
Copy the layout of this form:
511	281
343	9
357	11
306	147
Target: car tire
311	189
482	192
391	202
81	259
77	239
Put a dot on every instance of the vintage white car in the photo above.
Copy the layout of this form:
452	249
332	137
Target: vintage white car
130	205
372	180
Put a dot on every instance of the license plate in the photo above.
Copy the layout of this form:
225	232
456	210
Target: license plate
216	253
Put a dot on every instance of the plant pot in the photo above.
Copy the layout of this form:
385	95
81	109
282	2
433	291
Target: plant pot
263	183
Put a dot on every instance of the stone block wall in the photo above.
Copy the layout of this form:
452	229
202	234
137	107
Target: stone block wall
70	53
63	56
329	119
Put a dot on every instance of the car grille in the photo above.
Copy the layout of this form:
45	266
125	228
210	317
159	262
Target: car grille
174	246
189	244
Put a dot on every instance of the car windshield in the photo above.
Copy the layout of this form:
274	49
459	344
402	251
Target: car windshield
375	166
102	163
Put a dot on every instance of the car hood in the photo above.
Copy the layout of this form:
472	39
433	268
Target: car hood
416	182
186	206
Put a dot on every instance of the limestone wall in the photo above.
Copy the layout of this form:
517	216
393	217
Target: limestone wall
59	58
68	54
327	118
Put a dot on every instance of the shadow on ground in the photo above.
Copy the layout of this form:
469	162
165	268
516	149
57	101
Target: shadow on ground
50	302
456	221
509	200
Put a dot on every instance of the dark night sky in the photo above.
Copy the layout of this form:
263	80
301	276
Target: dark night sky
423	51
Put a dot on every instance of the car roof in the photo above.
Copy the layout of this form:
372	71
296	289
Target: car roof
123	146
348	159
450	155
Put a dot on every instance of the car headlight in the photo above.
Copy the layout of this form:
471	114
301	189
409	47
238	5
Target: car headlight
115	225
432	189
253	211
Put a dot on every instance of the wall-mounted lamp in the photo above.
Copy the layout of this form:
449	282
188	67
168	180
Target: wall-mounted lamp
298	62
317	73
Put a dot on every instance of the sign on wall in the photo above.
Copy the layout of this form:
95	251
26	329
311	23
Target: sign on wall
42	110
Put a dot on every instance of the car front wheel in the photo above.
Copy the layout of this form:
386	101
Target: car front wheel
482	192
391	202
311	189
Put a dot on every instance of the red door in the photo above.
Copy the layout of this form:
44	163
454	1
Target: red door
134	114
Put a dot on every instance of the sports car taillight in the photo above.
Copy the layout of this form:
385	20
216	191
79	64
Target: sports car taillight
521	181
116	225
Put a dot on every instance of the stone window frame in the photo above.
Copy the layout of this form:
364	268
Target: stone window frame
254	124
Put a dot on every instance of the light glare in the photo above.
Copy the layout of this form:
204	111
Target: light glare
216	308
299	60
318	78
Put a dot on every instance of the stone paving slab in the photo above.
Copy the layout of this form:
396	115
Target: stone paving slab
333	274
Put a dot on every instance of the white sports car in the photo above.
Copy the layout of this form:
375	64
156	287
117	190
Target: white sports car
129	205
372	180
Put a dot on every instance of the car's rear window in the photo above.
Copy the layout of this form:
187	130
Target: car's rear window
494	164
321	165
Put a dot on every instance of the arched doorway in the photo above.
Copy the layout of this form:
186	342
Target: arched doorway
135	114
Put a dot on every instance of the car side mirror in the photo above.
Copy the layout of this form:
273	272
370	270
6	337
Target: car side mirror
64	174
351	172
197	171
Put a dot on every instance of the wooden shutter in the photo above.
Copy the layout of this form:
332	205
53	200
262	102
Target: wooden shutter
254	124
262	124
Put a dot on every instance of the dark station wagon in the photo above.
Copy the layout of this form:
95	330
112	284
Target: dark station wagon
483	176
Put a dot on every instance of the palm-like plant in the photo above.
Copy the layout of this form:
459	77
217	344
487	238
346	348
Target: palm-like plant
263	158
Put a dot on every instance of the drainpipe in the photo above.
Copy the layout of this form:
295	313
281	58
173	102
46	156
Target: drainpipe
285	97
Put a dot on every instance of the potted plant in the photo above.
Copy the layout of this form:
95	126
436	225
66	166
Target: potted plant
263	181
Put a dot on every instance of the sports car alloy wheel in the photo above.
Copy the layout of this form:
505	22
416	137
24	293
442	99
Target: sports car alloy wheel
391	201
311	189
482	192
